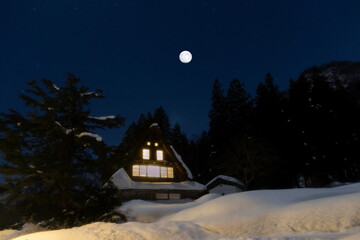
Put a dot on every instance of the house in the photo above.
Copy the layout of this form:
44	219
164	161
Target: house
155	171
224	185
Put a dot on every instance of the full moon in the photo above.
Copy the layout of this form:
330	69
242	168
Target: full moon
185	56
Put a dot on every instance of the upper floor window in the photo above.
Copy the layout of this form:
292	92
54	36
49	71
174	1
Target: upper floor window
148	143
152	171
159	155
146	154
156	144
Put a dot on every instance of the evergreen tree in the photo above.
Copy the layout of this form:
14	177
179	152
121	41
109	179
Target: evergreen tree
346	114
218	124
322	123
251	161
178	139
181	144
161	118
238	108
52	156
203	153
269	127
199	158
268	103
230	119
297	118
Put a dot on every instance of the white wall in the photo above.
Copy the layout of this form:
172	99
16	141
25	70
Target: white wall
224	189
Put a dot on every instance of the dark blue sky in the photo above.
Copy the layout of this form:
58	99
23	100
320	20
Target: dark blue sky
130	48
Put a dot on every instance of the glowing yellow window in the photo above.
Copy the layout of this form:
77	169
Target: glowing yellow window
161	196
159	155
153	171
148	143
174	196
170	172
156	144
146	154
163	172
135	170
142	171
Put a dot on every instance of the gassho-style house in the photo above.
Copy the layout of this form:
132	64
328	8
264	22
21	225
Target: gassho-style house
155	171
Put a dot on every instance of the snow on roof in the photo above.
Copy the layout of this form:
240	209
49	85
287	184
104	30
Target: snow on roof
102	118
188	172
93	135
226	178
122	181
154	125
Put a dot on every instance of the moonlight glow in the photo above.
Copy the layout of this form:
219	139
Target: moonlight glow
185	56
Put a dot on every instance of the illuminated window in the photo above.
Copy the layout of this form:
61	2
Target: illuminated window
143	172
146	154
174	195
148	143
170	172
136	170
163	172
159	155
156	144
153	171
161	196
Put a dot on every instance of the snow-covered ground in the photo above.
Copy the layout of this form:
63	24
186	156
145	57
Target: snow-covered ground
327	213
146	212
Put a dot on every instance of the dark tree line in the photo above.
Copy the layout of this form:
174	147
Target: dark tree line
306	136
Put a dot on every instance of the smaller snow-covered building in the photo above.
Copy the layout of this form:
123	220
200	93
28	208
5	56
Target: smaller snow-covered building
224	185
155	171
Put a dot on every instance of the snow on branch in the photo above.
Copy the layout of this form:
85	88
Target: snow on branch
67	131
33	167
102	118
154	125
88	134
90	93
55	87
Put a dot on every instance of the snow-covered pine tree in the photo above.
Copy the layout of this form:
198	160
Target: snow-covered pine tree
52	159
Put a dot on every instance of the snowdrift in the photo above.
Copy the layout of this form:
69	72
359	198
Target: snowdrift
146	212
332	214
278	211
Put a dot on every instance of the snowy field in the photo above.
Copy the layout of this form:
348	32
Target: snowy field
327	213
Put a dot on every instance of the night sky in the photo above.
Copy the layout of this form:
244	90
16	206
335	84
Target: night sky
130	49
